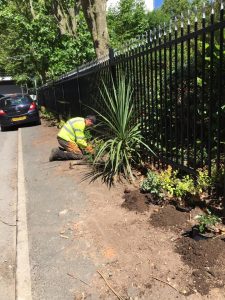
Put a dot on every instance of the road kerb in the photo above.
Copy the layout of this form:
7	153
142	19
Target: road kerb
23	279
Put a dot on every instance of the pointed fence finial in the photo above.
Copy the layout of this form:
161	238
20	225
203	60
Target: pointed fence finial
164	29
170	27
155	33
146	37
175	23
203	10
182	20
196	14
150	36
188	16
160	33
132	44
221	5
212	7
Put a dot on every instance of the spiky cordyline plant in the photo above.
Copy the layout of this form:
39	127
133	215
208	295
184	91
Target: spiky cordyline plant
122	138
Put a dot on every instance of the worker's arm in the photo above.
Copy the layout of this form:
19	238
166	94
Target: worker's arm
80	138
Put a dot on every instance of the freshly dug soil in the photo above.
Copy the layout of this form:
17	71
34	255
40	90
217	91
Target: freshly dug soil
134	200
168	216
207	259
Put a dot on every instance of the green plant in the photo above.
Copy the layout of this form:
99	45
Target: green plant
207	220
203	180
217	176
168	178
47	115
60	124
175	186
152	184
184	186
88	135
122	138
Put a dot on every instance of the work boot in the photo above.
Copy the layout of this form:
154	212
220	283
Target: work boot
58	154
74	156
53	154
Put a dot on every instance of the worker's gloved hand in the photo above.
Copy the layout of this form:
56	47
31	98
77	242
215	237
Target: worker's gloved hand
89	149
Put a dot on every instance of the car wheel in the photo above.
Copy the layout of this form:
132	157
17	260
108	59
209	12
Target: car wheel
3	128
38	122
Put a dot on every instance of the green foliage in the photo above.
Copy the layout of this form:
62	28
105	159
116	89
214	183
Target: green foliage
33	47
168	178
60	124
157	17
184	186
168	182
207	220
152	184
122	135
175	7
47	115
203	180
175	186
126	21
217	176
88	134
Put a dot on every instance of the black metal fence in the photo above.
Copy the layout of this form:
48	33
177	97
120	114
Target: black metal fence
178	76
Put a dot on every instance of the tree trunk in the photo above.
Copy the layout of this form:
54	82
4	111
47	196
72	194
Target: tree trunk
32	9
95	15
66	16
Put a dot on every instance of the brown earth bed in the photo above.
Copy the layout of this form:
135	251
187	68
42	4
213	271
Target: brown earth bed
136	201
207	261
168	216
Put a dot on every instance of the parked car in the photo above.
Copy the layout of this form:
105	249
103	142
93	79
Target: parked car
17	109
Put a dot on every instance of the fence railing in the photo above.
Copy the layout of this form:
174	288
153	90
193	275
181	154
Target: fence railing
178	77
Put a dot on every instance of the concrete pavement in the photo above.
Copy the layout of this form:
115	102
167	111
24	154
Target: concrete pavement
54	204
8	200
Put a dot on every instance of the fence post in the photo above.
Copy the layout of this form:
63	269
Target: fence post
112	64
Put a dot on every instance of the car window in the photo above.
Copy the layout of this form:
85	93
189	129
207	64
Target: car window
15	100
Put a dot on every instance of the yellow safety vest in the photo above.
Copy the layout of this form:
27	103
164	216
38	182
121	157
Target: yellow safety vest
73	131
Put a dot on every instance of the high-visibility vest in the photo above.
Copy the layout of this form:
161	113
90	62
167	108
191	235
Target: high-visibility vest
73	131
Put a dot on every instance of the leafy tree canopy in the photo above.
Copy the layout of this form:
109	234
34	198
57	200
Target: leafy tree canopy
126	21
33	43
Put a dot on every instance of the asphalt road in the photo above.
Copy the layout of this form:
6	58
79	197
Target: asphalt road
8	204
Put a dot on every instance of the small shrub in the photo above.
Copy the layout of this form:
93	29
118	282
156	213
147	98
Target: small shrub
152	184
46	114
207	220
168	179
184	186
203	181
175	186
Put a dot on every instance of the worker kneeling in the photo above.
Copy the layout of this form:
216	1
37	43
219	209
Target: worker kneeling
72	139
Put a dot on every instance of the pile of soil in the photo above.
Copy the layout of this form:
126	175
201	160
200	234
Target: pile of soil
207	259
136	201
168	216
